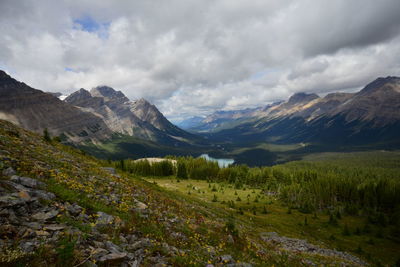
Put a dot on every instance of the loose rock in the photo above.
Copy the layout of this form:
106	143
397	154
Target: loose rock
42	216
26	181
113	257
104	219
9	172
299	245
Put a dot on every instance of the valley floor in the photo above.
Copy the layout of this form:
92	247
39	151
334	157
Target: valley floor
261	212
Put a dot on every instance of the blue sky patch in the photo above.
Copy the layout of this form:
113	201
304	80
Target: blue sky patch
88	24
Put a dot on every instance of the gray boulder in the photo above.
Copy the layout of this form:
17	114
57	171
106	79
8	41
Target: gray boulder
26	181
28	246
73	209
104	219
11	201
9	172
45	216
112	257
110	246
43	194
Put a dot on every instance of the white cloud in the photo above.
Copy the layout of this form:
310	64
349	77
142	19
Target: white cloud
194	57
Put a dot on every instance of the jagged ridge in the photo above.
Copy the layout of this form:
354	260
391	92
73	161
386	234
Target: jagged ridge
137	118
36	110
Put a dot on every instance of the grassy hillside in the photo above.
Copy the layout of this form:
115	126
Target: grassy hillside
109	219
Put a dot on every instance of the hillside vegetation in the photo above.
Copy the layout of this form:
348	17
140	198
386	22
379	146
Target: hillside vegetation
350	201
61	207
357	182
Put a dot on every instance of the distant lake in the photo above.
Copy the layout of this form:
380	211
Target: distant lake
222	163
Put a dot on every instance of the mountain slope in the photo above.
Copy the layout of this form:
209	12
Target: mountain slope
221	119
368	117
189	123
378	102
36	110
100	116
138	119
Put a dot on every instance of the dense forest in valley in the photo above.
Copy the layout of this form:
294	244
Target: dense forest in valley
362	184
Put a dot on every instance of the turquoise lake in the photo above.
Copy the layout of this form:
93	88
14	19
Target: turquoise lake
222	163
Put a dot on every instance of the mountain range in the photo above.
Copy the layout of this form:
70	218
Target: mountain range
94	116
138	118
370	116
105	119
35	110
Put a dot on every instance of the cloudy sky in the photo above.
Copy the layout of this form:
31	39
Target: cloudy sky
192	57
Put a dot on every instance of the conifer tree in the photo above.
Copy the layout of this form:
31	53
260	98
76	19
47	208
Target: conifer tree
46	135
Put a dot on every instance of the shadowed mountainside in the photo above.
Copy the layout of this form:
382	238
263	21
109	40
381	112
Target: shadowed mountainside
368	117
36	110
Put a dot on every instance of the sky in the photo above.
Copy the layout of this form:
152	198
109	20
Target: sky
191	58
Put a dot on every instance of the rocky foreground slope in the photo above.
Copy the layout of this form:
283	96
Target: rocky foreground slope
61	208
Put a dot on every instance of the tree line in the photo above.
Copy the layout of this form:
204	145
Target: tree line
307	186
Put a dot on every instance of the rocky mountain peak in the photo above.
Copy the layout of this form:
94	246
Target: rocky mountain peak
302	98
4	75
379	83
6	80
142	106
78	96
83	98
35	110
148	112
135	118
142	101
108	93
81	93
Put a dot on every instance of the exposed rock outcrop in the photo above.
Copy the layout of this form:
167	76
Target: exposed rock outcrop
299	245
134	118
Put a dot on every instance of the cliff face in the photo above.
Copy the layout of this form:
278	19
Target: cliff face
35	110
134	118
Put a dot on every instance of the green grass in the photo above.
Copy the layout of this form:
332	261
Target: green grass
317	231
